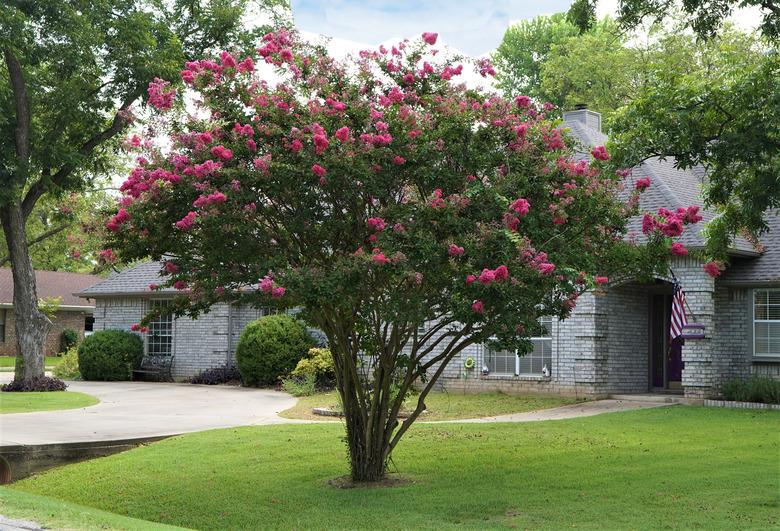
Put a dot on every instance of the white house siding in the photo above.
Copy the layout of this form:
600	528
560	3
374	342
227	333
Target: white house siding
731	339
628	346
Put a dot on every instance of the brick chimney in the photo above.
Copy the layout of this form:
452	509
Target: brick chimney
581	114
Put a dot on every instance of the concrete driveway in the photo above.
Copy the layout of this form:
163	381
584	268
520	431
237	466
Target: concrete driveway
144	409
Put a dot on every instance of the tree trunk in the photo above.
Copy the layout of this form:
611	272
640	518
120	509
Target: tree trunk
30	324
367	449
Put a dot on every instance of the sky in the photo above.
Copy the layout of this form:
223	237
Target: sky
472	26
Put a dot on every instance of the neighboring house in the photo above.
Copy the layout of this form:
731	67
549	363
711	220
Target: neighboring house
124	298
616	340
73	312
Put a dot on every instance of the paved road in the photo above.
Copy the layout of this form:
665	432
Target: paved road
144	409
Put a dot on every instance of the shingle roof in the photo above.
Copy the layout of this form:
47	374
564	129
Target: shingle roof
766	268
672	188
50	284
134	280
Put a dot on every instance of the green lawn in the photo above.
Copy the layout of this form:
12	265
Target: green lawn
7	362
442	406
45	401
64	515
679	467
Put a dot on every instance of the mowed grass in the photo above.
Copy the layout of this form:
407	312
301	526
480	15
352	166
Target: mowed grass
7	363
44	401
441	405
674	468
64	515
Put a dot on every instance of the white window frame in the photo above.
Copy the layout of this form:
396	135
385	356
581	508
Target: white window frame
149	307
773	355
518	358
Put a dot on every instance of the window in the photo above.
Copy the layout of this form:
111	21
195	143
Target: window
506	362
159	340
2	326
766	323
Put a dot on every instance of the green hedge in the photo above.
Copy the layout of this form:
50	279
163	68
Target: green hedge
754	389
270	348
110	355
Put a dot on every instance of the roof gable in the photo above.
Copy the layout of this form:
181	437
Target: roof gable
50	284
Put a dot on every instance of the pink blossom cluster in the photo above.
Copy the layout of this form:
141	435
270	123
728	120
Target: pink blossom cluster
455	250
268	287
187	222
713	269
214	198
376	224
222	152
161	94
600	153
518	209
107	256
670	223
118	219
642	184
135	327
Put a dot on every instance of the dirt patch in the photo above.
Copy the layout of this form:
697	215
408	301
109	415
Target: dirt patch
391	480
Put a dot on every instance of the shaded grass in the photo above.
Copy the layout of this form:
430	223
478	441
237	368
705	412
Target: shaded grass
44	401
57	514
7	363
675	468
441	405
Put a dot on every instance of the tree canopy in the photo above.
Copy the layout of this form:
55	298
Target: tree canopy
377	196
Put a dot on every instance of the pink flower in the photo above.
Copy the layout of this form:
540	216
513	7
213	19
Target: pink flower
247	65
523	102
228	61
161	94
478	307
501	273
135	327
692	215
712	269
342	134
277	292
455	250
107	255
520	206
470	279
487	276
398	228
546	268
180	285
600	153
678	249
648	223
187	222
601	280
321	143
153	286
376	224
222	152
398	160
430	38
642	184
266	285
170	267
379	257
318	170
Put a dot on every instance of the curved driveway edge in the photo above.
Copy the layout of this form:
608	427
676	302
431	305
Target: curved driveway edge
129	410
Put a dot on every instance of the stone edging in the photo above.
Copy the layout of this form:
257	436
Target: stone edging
740	405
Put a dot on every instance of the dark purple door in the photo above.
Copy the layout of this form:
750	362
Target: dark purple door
674	364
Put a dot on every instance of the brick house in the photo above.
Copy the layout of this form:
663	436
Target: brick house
616	341
74	312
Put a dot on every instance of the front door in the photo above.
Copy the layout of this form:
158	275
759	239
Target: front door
665	355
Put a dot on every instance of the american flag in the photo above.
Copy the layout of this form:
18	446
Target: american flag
678	320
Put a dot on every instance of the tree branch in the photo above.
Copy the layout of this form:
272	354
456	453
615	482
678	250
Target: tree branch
22	105
44	236
42	185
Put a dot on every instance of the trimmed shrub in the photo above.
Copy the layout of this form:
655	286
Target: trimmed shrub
303	386
754	389
270	348
217	375
42	383
68	368
110	355
69	338
318	363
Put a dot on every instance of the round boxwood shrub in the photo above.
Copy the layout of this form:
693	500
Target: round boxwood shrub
110	355
69	338
270	348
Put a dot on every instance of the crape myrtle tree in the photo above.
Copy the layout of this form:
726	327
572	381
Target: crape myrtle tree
377	195
71	75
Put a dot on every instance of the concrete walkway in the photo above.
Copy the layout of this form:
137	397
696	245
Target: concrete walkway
582	409
140	409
